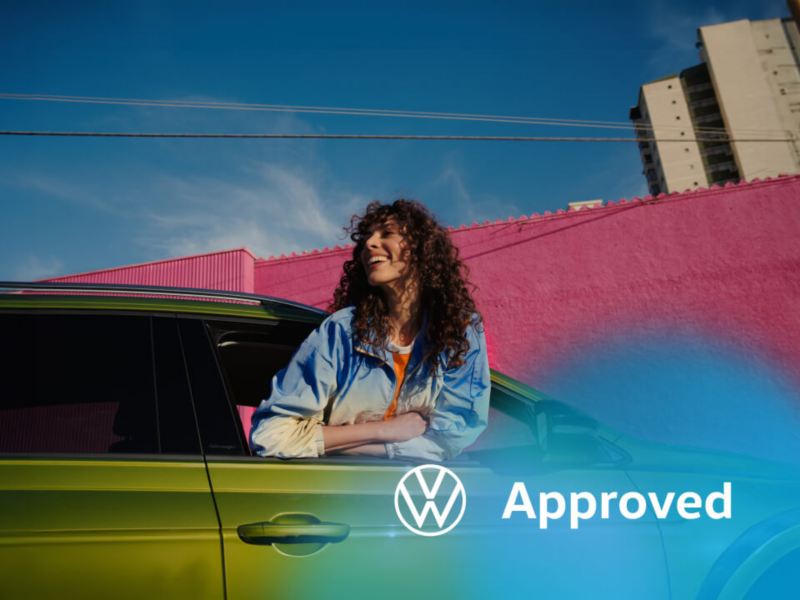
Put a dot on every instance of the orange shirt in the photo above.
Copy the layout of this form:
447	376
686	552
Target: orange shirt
400	364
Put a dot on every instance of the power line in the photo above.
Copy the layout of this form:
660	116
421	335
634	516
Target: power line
347	136
306	109
368	112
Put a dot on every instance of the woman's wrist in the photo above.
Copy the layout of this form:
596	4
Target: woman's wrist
379	432
346	436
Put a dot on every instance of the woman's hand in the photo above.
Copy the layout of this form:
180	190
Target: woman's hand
403	427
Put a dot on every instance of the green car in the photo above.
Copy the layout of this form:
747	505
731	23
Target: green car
125	473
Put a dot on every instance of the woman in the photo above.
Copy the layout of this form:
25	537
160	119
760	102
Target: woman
400	368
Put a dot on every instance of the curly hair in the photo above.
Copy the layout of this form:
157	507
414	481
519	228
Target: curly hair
442	278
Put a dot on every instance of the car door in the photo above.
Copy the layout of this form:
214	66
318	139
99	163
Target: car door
103	488
328	527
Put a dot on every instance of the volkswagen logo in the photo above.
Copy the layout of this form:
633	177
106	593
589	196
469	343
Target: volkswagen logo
441	490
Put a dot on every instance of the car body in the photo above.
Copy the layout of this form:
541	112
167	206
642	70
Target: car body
125	472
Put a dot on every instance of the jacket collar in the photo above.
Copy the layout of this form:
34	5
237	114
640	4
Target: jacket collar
417	352
375	351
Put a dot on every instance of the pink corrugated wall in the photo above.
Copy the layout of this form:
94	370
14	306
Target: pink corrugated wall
228	270
308	278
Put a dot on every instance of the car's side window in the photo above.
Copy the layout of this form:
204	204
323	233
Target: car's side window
216	416
176	416
508	427
249	354
510	436
93	384
526	434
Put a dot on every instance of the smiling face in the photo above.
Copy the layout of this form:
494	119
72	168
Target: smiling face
386	256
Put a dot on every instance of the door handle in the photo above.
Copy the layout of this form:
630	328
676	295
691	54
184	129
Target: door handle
293	528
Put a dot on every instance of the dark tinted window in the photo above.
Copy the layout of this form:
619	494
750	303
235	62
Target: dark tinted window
215	414
177	424
250	354
87	384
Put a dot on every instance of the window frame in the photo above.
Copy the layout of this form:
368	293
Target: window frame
206	437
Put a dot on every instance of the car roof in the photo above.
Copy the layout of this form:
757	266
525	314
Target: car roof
103	296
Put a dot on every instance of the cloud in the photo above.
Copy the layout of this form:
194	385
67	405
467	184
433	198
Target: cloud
465	206
451	176
278	202
59	188
269	208
32	268
168	199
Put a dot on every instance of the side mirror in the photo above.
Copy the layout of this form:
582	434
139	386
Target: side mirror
572	424
567	437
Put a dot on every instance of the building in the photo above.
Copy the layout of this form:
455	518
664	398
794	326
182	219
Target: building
578	205
735	116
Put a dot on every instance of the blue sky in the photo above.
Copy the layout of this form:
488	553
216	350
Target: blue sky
74	205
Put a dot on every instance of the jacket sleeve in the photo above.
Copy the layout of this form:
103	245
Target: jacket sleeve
461	412
288	423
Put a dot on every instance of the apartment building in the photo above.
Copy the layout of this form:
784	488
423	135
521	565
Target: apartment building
735	116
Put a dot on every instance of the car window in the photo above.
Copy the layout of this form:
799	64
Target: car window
216	416
510	437
506	428
82	383
250	354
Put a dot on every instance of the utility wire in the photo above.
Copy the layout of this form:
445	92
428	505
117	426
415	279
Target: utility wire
304	109
366	112
344	136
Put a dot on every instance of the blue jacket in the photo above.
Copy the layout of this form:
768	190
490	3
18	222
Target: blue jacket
330	374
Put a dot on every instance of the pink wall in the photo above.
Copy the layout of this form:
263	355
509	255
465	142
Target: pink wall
722	263
226	270
308	278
